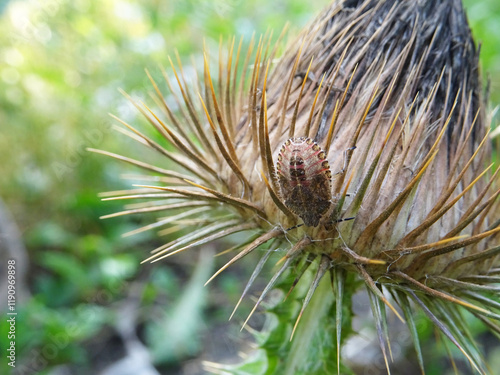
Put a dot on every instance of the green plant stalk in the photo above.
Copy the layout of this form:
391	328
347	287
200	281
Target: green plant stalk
310	323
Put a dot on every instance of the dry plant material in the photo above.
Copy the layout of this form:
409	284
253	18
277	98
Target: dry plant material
269	147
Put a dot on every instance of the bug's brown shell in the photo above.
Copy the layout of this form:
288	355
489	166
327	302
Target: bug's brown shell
305	179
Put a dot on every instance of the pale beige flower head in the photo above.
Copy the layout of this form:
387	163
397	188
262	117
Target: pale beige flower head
362	150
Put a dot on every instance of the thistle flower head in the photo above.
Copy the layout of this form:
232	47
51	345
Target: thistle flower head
362	150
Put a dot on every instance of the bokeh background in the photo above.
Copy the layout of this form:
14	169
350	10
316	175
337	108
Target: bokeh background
85	305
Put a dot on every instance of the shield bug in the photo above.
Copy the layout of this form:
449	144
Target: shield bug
305	179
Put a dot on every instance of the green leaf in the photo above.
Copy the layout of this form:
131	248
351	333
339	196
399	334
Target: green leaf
313	350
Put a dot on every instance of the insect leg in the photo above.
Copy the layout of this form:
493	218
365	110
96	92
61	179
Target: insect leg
345	219
294	227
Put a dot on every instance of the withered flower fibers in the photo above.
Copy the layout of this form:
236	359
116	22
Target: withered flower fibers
388	94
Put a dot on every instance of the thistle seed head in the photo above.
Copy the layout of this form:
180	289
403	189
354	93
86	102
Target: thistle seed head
374	114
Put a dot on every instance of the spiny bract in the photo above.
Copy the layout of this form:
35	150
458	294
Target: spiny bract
399	81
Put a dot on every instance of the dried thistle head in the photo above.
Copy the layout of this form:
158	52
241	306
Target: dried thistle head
362	150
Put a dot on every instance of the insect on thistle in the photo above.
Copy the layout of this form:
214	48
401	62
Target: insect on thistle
305	179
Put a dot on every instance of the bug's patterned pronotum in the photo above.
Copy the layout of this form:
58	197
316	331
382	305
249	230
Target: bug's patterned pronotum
305	179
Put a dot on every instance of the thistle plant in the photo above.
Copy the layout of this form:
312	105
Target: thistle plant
360	155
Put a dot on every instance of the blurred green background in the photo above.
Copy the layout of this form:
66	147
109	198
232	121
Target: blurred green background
85	305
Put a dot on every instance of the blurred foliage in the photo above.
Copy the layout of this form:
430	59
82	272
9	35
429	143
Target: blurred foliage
484	20
62	63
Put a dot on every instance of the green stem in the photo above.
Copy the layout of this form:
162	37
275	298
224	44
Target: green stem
309	325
